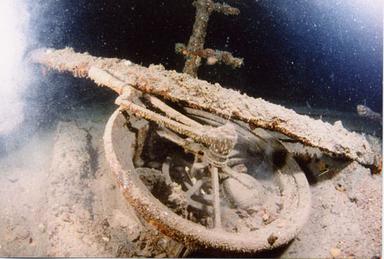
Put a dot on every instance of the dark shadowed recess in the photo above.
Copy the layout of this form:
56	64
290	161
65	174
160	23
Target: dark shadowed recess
321	53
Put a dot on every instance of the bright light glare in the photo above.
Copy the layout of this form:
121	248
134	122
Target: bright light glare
13	20
369	10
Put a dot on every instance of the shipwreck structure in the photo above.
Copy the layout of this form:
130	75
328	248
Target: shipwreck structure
219	179
194	52
124	76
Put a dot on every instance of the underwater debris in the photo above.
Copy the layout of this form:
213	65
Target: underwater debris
194	51
366	112
199	94
212	56
192	215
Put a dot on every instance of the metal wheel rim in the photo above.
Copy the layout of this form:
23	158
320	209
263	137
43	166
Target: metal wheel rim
296	195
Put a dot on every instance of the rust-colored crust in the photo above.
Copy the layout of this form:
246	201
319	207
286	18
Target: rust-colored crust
199	94
119	149
204	9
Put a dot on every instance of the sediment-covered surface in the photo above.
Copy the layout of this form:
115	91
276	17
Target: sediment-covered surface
345	219
121	75
59	198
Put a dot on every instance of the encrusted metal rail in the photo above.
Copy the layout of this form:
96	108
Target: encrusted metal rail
123	76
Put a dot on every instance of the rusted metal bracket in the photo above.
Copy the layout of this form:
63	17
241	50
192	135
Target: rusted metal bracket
195	51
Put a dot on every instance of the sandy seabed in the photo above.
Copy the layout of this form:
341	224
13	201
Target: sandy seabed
58	198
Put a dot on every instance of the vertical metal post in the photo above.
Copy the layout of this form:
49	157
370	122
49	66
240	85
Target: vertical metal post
216	196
